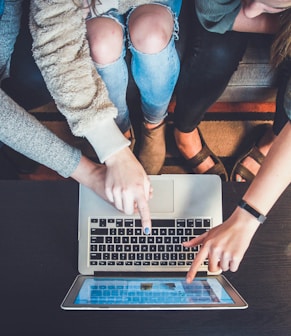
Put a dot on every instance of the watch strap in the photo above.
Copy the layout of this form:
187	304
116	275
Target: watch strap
244	205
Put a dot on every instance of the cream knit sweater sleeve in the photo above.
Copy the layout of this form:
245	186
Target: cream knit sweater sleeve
61	51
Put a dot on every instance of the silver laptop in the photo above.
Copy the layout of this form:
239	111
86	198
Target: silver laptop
121	268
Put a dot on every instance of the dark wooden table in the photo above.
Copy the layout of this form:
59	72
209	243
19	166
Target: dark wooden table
38	258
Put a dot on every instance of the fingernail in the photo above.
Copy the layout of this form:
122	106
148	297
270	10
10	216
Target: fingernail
147	230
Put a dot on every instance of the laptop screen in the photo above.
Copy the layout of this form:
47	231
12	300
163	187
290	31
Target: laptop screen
152	292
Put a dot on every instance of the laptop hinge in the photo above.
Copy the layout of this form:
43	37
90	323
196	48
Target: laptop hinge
159	274
201	274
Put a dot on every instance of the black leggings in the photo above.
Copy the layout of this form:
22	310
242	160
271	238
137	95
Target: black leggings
209	62
281	118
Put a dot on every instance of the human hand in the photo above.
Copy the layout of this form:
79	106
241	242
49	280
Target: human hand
91	175
127	186
224	245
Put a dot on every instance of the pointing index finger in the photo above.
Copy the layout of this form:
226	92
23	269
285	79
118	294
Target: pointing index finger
145	216
201	256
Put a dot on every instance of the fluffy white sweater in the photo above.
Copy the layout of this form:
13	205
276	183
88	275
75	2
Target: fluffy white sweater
61	51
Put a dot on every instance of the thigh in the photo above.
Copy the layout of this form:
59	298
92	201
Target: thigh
209	62
214	54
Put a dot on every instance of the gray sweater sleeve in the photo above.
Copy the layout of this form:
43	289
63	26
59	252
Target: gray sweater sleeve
217	16
22	132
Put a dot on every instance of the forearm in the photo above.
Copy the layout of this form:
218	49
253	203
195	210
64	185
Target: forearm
274	175
264	23
25	134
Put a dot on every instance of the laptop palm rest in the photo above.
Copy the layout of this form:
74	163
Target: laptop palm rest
163	197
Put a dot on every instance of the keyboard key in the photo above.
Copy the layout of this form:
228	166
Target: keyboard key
97	240
99	232
181	223
95	256
102	222
113	232
206	223
119	223
190	222
198	232
198	222
128	222
93	248
163	223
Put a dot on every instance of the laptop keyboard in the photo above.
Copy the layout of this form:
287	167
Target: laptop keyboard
121	242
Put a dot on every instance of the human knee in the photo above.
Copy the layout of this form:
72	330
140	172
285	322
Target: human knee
150	28
105	38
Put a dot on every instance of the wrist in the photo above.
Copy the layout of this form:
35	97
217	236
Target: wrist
86	171
91	175
245	221
123	155
252	211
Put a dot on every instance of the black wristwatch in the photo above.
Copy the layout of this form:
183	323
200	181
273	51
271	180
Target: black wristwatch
244	205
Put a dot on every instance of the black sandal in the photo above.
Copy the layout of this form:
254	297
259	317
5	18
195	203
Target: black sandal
217	169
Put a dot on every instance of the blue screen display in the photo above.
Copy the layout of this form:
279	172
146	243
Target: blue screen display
151	291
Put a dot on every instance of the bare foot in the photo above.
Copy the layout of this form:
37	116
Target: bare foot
189	144
264	146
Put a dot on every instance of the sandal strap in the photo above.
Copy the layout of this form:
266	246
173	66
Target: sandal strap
253	153
200	157
256	155
244	173
240	169
217	169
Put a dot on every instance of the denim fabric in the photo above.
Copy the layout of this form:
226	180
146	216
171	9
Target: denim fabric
115	76
1	7
154	74
9	29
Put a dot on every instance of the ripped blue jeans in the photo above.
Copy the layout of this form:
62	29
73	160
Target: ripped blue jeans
154	74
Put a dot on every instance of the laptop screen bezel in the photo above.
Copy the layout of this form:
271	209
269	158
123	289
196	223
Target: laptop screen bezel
69	300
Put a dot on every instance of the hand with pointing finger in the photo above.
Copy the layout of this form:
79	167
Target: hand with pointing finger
224	245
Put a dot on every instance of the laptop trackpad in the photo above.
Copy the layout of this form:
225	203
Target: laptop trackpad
163	196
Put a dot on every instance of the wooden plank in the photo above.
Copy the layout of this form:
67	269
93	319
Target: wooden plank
248	94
